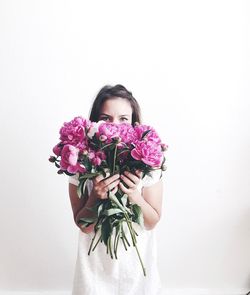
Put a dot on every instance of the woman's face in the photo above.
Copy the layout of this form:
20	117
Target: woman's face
116	110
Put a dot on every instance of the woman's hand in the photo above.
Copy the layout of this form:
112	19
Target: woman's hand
102	185
132	181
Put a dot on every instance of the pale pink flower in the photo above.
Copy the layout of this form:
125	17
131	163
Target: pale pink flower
93	128
69	157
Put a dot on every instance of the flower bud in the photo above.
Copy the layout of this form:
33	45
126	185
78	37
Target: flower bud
164	147
164	167
117	139
85	152
103	137
52	159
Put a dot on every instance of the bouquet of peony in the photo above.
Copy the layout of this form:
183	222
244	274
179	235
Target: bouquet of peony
89	149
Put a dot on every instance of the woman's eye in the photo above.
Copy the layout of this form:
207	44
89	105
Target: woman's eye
124	119
104	119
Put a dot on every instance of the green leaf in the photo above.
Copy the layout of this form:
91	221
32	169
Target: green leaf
88	175
79	189
114	199
124	199
112	211
138	214
83	224
145	133
88	219
106	231
99	210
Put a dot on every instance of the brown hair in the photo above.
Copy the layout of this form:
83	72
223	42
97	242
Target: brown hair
108	92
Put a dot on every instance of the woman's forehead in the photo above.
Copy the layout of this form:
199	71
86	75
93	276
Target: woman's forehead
116	105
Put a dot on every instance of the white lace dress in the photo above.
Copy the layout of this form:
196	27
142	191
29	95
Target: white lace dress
98	274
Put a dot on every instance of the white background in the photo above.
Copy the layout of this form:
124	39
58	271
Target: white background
187	63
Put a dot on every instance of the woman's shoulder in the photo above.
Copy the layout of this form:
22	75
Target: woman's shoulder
74	179
152	178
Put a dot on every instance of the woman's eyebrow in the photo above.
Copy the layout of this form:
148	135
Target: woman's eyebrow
103	114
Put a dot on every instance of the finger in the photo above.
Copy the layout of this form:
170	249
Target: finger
98	178
132	177
112	185
103	196
111	179
126	180
139	173
114	190
123	188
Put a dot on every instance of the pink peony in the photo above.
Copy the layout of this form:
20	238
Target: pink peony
127	133
69	157
152	135
124	132
73	132
148	152
109	130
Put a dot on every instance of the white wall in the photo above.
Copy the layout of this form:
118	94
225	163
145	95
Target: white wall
187	63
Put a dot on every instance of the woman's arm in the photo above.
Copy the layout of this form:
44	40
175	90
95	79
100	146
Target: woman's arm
80	205
99	191
151	203
150	199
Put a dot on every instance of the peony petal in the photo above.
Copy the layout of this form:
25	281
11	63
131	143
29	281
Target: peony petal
72	169
135	154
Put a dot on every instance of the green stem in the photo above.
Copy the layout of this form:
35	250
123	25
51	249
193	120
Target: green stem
113	170
131	230
143	267
116	244
124	243
97	242
124	236
110	247
92	243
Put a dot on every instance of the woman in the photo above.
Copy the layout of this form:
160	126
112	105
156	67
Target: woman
98	273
